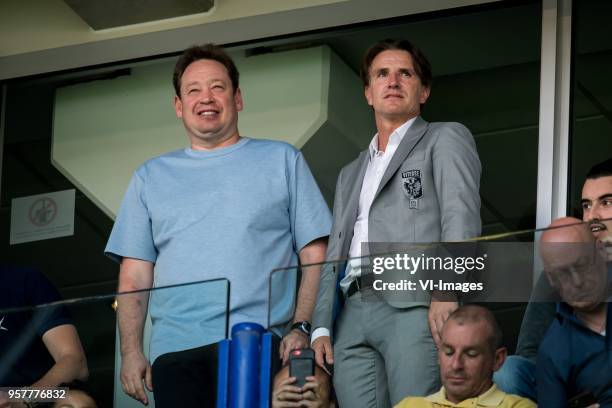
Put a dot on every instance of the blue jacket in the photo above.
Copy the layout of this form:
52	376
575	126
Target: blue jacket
573	359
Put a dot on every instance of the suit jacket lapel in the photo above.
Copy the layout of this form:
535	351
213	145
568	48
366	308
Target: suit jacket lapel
411	138
352	184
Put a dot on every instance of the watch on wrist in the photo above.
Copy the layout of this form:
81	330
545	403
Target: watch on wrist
303	326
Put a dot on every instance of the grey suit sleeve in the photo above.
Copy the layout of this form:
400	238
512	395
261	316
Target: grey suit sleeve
322	315
456	169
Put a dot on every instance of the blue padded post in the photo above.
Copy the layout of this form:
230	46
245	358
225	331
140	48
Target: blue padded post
265	371
223	374
244	365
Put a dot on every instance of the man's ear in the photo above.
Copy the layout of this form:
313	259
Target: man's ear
424	95
368	94
554	283
178	107
238	100
500	356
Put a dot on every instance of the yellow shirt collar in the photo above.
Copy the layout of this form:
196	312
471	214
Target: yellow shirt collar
492	398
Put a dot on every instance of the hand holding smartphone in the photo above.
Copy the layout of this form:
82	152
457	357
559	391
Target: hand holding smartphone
301	365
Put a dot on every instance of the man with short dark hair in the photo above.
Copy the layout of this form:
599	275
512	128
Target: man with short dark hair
416	182
470	351
596	203
226	207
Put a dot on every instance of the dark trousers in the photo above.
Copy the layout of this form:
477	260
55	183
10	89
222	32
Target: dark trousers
186	378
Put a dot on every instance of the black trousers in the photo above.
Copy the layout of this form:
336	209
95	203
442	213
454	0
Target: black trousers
186	378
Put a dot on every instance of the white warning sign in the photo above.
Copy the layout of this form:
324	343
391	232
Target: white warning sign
42	216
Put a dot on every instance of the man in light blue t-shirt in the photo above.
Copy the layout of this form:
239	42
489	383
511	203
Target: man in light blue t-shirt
226	207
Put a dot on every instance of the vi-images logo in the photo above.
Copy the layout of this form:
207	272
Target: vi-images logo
2	321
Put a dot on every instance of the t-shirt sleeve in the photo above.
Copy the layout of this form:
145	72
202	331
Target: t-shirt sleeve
310	215
132	234
40	291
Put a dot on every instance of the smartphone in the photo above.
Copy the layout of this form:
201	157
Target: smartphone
582	400
301	365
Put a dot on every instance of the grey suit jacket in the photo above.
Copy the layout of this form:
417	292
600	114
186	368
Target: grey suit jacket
442	157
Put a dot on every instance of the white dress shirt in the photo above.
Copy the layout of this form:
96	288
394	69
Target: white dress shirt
377	165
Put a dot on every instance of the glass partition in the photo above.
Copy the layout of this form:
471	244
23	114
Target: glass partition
495	271
199	316
504	272
284	291
282	297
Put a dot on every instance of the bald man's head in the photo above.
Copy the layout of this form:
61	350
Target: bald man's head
574	263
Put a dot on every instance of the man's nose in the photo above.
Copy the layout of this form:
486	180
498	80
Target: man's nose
456	363
596	212
206	97
393	79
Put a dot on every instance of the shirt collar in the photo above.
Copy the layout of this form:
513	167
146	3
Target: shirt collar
492	398
565	311
396	137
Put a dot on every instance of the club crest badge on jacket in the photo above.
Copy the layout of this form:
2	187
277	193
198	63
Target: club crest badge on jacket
413	187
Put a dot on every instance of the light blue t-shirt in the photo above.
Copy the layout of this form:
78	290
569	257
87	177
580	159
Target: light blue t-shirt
237	213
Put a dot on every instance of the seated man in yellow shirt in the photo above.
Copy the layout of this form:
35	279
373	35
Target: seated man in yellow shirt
470	352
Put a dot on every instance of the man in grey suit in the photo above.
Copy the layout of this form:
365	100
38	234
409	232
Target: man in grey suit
417	182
